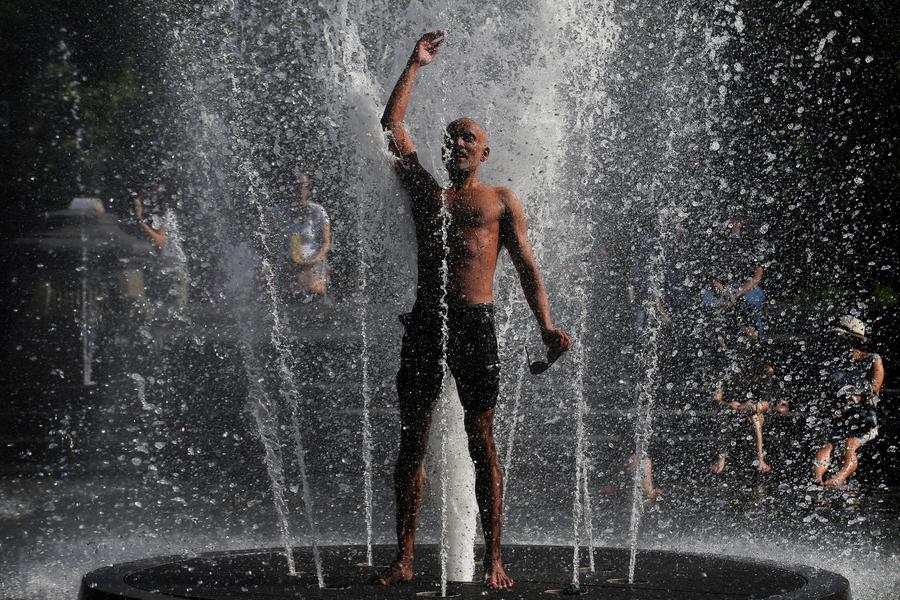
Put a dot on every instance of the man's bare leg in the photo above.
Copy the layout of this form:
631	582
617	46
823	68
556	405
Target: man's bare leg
821	463
851	460
758	419
409	489
489	493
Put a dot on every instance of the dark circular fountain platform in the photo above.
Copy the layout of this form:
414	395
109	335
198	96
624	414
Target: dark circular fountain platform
539	572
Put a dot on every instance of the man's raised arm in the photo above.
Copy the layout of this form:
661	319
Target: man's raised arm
400	142
392	119
515	236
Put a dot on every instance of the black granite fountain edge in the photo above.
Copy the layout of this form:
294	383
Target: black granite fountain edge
112	582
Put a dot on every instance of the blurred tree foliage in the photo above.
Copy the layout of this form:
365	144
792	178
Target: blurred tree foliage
82	115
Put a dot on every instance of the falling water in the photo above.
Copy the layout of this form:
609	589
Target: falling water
648	366
239	268
74	96
365	390
266	412
265	416
290	398
555	68
581	498
514	419
287	385
445	337
288	389
86	354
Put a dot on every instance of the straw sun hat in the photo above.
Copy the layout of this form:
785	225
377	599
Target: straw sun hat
850	326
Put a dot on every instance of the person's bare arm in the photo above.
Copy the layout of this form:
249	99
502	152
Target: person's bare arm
750	283
719	396
414	176
515	236
157	235
322	254
877	376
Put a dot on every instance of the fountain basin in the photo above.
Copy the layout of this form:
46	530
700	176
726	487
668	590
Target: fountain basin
539	572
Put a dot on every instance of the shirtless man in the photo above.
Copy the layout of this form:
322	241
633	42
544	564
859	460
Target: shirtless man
482	218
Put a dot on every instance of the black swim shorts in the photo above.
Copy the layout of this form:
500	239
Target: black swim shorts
857	421
472	358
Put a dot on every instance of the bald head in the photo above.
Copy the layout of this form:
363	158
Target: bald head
470	124
465	146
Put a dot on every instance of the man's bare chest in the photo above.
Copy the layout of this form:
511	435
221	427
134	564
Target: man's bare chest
473	211
465	218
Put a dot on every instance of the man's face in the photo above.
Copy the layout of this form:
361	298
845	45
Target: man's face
303	196
465	146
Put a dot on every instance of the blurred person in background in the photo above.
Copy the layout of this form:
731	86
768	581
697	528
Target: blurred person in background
167	283
308	232
746	388
856	376
737	274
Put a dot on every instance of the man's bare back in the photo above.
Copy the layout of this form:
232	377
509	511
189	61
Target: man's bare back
480	219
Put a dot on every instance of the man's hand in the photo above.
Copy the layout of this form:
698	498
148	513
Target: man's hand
426	48
557	342
138	209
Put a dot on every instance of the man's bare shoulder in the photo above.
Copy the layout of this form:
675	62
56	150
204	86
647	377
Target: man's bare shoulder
503	193
508	198
414	177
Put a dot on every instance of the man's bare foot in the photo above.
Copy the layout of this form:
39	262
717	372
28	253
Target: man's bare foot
717	467
399	572
764	467
495	576
836	483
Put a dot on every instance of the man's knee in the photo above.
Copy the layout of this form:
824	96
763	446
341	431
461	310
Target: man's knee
479	423
480	433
